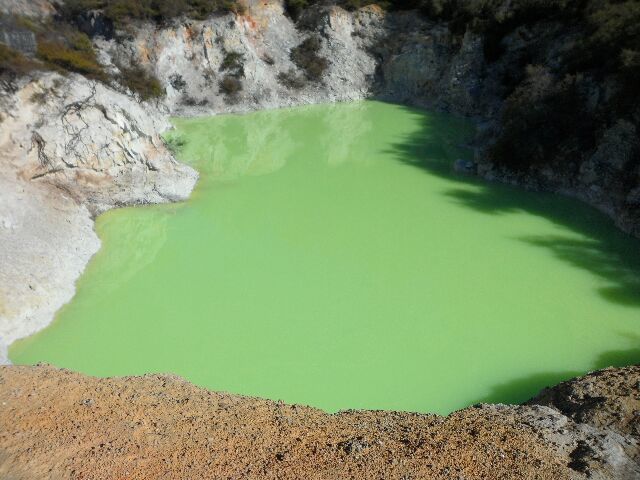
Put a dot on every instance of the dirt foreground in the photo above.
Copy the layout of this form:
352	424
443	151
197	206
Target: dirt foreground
56	424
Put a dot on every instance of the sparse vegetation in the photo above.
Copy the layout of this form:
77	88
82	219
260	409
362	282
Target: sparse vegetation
233	63
306	57
122	12
60	46
175	143
67	57
141	82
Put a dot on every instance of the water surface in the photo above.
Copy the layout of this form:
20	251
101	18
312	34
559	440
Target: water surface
330	257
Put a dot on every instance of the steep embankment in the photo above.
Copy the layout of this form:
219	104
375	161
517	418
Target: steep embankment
396	56
58	424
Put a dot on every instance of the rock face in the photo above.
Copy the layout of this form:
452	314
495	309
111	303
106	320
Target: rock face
69	149
604	176
189	58
19	39
28	8
398	57
46	239
101	146
164	427
423	64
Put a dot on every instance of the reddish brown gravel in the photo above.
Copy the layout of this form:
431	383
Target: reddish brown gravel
56	424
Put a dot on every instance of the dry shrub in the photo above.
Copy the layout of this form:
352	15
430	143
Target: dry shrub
139	81
230	85
292	80
306	57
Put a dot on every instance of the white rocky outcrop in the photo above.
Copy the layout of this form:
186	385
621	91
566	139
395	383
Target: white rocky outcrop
188	57
70	148
101	146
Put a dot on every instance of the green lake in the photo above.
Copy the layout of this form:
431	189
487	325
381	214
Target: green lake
330	257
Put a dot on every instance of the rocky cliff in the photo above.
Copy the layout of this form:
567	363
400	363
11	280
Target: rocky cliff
400	57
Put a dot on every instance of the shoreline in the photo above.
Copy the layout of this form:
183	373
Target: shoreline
31	323
50	223
45	323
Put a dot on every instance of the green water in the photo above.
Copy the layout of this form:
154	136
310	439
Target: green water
329	257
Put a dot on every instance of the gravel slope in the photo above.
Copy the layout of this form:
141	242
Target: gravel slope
55	424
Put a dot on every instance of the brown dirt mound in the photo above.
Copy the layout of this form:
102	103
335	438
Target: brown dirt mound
55	424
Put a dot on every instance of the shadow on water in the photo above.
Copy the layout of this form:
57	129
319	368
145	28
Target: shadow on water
522	389
593	243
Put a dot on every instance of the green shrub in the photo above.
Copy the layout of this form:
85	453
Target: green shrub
610	30
141	82
193	102
58	54
27	23
63	47
177	82
306	57
71	8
